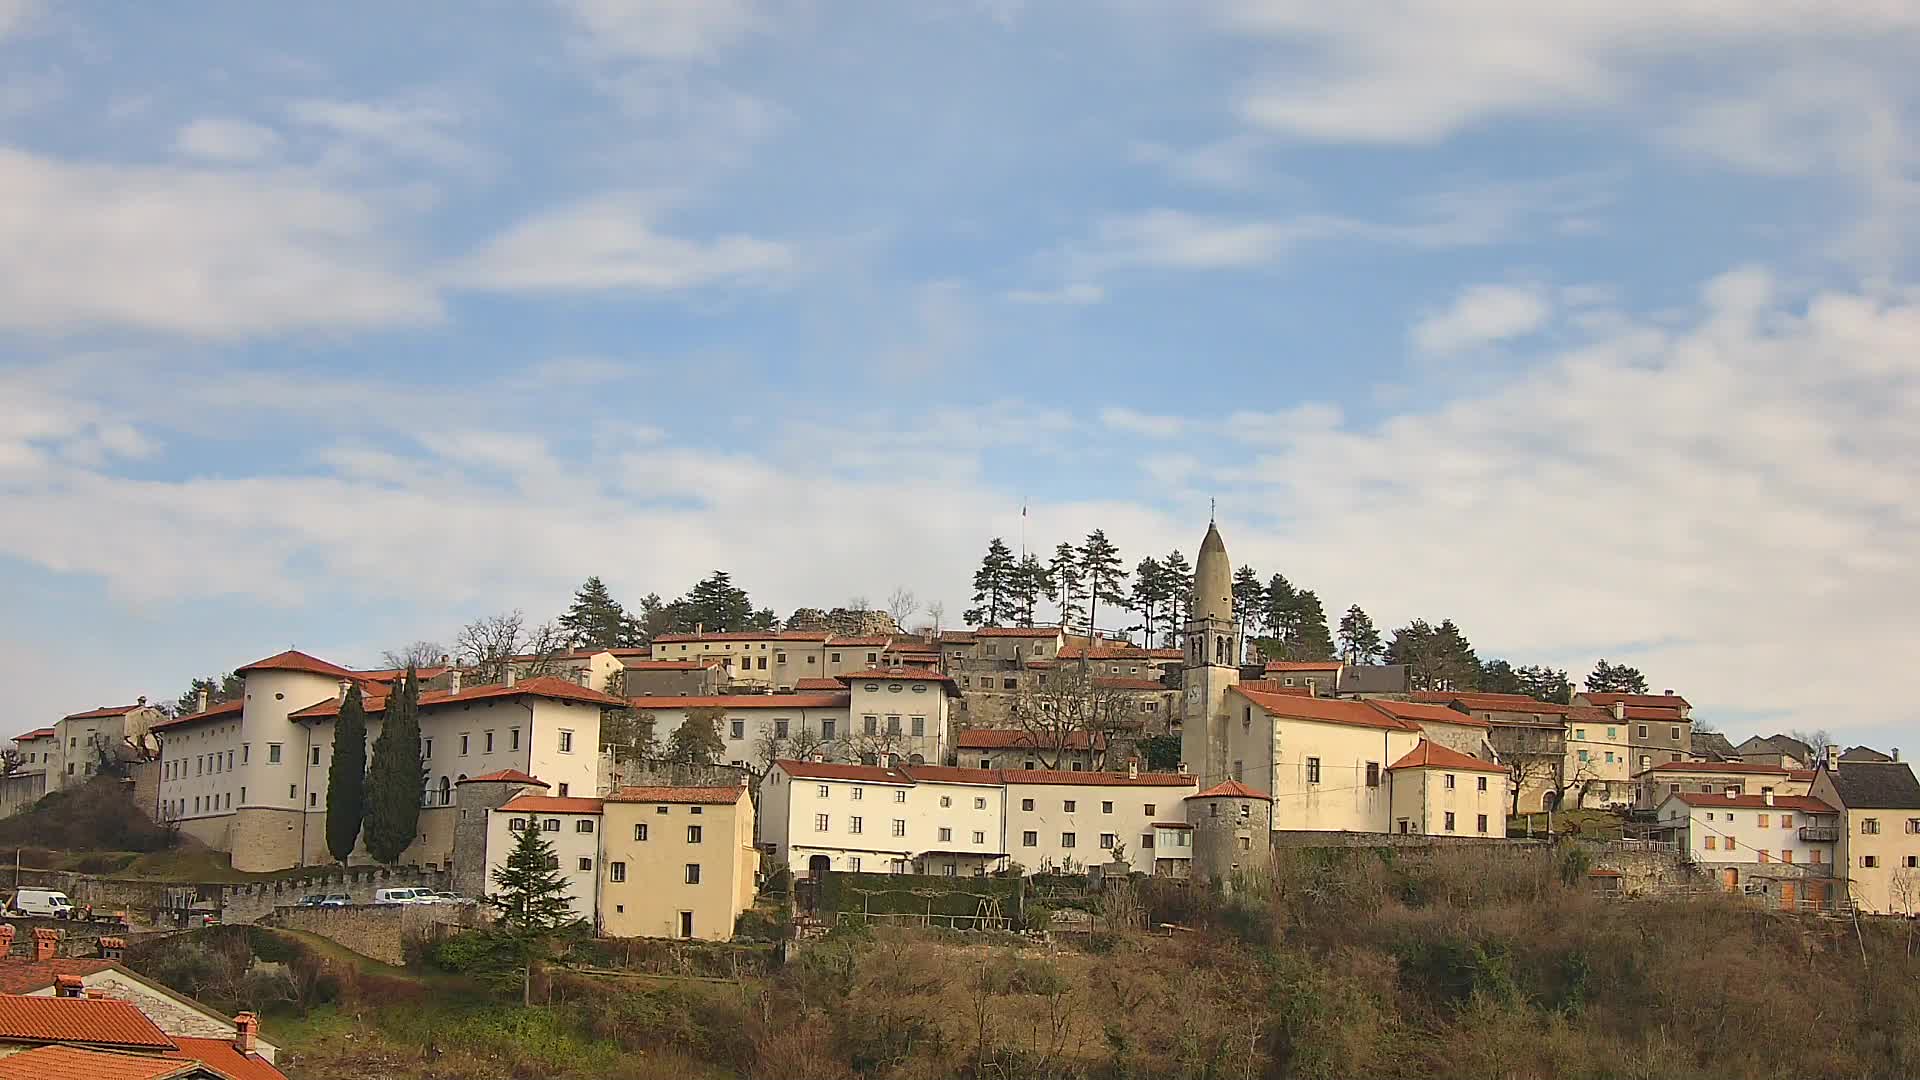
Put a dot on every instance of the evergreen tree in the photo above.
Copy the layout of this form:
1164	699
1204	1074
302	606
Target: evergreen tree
1064	572
1311	639
1180	584
1498	677
1437	658
1616	679
596	620
1359	640
347	777
716	604
1029	585
529	891
1459	668
697	740
1249	601
223	688
993	586
656	618
1150	595
1100	568
1545	684
398	777
1280	617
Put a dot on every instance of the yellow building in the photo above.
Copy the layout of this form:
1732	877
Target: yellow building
676	861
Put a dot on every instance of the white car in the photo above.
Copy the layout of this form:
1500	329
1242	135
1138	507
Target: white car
51	903
396	897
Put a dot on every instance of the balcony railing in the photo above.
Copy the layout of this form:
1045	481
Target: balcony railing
1820	834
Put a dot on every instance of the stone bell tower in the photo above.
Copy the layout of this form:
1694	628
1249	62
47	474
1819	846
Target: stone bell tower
1212	663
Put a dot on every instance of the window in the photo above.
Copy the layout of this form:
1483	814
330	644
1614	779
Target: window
563	789
893	724
489	742
291	792
900	795
1786	821
1069	804
1911	862
919	724
979	837
1106	807
1449	781
616	871
1869	827
1029	839
1027	805
946	835
1913	825
315	755
780	729
1449	825
1066	839
1150	809
1481	786
1674	734
1869	861
1815	857
762	665
1762	822
552	824
826	730
1373	774
856	794
870	724
566	742
853	863
1763	855
1313	770
246	751
513	738
426	748
823	791
1480	822
737	729
1643	731
820	823
1580	734
949	870
1008	684
464	740
586	863
519	823
946	800
855	825
584	825
873	658
1711	841
979	804
659	809
836	658
1786	855
693	834
693	878
313	799
273	753
1107	840
640	831
899	826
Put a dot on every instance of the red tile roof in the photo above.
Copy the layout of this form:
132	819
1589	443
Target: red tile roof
545	686
1420	712
552	804
395	674
948	774
745	701
1801	774
1174	824
1665	716
1743	767
1658	701
221	1056
1303	665
36	733
1231	789
1017	631
1708	800
18	976
804	685
743	635
103	712
295	660
1431	755
1324	710
505	776
868	642
705	796
1270	686
1519	703
1013	738
669	665
1117	683
1104	651
1166	654
76	1063
93	1021
834	770
222	711
1096	779
904	674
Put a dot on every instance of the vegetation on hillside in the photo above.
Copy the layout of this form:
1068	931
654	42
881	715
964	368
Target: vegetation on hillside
98	815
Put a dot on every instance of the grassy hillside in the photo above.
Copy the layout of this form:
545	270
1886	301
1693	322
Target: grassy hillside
1469	963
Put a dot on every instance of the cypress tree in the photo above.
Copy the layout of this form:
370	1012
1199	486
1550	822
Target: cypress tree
398	776
347	777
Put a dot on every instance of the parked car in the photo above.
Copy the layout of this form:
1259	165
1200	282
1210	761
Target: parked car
444	896
392	897
338	899
51	903
312	900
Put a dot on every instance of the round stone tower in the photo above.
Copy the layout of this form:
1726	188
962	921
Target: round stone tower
1232	832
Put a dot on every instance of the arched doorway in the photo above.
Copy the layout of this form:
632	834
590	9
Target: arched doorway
818	866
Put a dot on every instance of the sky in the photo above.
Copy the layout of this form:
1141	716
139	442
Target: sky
1594	327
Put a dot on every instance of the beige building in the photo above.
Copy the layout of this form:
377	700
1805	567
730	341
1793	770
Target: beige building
1718	777
571	825
1442	792
1323	760
749	721
1447	727
1322	677
78	742
1877	849
1777	846
1599	766
774	660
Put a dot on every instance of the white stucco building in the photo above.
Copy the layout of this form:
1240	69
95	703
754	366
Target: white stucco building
571	825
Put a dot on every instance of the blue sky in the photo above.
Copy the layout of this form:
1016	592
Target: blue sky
1594	328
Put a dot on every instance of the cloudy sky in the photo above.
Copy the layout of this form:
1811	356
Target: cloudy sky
1593	326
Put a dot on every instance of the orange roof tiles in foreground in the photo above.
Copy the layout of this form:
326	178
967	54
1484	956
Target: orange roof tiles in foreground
223	1057
1430	755
222	711
1230	789
23	976
700	796
36	733
552	804
76	1063
92	1021
1324	710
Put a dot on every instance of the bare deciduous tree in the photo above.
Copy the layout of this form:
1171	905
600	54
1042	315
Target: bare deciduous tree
901	604
488	644
417	654
881	746
1067	709
1818	739
10	760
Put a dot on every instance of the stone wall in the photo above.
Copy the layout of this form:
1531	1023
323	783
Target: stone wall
381	933
1644	873
1309	838
667	774
77	939
21	790
140	899
252	903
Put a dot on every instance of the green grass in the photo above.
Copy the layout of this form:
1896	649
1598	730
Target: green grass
179	865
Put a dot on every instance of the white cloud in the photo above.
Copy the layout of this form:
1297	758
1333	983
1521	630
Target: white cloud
406	130
1135	422
665	29
1233	163
611	242
1482	315
203	253
227	141
1426	69
1077	294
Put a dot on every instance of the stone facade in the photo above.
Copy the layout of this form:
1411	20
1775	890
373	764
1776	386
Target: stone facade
1230	835
476	801
381	933
251	903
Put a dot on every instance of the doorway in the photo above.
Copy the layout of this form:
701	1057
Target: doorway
686	924
1787	901
1730	879
818	866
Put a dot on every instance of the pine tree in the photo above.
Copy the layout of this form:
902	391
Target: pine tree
1545	684
1149	593
1616	679
1311	640
596	619
1359	640
992	586
1280	618
347	777
529	891
1100	567
398	777
1029	585
1064	572
1458	667
697	740
1498	677
716	604
1249	601
224	688
1180	584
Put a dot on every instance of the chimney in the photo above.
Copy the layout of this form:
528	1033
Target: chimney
112	948
141	701
203	700
1183	768
453	681
1767	796
446	660
1896	753
6	938
345	685
1133	768
245	1027
94	994
1733	793
46	945
68	986
1833	756
513	674
1619	710
1668	691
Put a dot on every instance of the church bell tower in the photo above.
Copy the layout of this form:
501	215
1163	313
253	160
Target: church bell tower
1212	663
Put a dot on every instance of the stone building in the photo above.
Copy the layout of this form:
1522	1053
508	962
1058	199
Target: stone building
1232	827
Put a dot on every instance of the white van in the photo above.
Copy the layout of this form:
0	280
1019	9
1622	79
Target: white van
397	896
51	903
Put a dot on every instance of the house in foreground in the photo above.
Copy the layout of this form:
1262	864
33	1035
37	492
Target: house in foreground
1877	849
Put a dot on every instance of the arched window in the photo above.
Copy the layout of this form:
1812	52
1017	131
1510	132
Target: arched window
446	791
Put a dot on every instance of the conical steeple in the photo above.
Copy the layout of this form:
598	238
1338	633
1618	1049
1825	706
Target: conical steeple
1213	579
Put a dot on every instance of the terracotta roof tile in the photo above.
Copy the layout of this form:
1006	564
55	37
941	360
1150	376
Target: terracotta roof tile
1014	738
103	712
1017	631
898	674
76	1063
834	770
870	641
1518	703
1431	755
36	733
1096	779
706	796
742	635
831	685
94	1021
1421	712
669	665
1304	665
1665	716
1708	800
745	701
295	660
948	774
1658	701
224	1058
1231	789
20	976
505	776
551	804
226	710
1325	710
545	686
